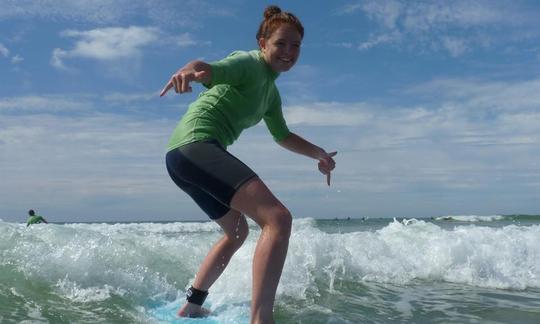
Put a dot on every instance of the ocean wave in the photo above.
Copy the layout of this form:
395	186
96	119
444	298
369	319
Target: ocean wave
74	292
472	218
153	263
402	252
150	228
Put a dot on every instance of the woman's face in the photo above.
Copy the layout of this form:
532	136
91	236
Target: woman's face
282	48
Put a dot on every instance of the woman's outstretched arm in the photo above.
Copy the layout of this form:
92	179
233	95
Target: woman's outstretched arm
301	146
197	71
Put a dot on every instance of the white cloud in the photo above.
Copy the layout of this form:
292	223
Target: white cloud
125	98
386	12
342	44
349	8
91	163
56	59
438	15
17	59
444	25
112	44
465	112
109	43
105	12
455	46
454	126
77	104
78	10
327	114
51	103
477	138
187	40
380	39
479	95
465	147
4	51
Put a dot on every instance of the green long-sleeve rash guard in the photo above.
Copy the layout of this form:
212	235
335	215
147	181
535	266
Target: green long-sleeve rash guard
241	93
36	219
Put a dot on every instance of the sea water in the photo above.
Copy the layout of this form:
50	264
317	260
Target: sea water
453	269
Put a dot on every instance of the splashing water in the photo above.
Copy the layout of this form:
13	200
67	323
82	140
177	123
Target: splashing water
377	270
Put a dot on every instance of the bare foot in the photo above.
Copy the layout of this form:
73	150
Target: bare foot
193	310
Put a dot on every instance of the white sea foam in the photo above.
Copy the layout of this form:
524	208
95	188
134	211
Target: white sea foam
156	228
401	252
88	263
74	292
153	263
472	218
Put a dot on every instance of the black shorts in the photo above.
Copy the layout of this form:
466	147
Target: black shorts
209	174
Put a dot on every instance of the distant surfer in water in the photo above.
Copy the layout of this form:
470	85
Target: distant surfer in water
34	219
240	93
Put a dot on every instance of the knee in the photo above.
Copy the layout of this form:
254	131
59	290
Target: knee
280	222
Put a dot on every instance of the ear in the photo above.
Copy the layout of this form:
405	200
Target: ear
262	43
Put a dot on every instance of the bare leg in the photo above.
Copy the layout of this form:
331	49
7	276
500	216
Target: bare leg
257	201
236	230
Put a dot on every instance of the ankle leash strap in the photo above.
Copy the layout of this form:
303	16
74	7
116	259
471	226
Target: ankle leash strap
196	296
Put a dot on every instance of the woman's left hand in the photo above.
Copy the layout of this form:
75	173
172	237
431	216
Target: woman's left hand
327	164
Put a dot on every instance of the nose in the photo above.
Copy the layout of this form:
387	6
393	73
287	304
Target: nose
289	49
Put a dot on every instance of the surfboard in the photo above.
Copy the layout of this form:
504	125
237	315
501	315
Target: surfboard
167	314
231	314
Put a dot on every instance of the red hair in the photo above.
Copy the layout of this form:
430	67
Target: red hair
274	18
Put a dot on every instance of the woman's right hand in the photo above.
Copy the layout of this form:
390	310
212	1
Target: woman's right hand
327	164
197	71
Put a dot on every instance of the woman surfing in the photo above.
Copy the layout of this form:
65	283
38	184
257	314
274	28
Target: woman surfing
241	92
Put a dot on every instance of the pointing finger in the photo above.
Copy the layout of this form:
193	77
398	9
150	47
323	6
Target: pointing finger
328	179
168	86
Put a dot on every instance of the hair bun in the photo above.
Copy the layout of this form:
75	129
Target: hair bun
270	11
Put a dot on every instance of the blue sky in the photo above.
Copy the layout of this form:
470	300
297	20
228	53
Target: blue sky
433	106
